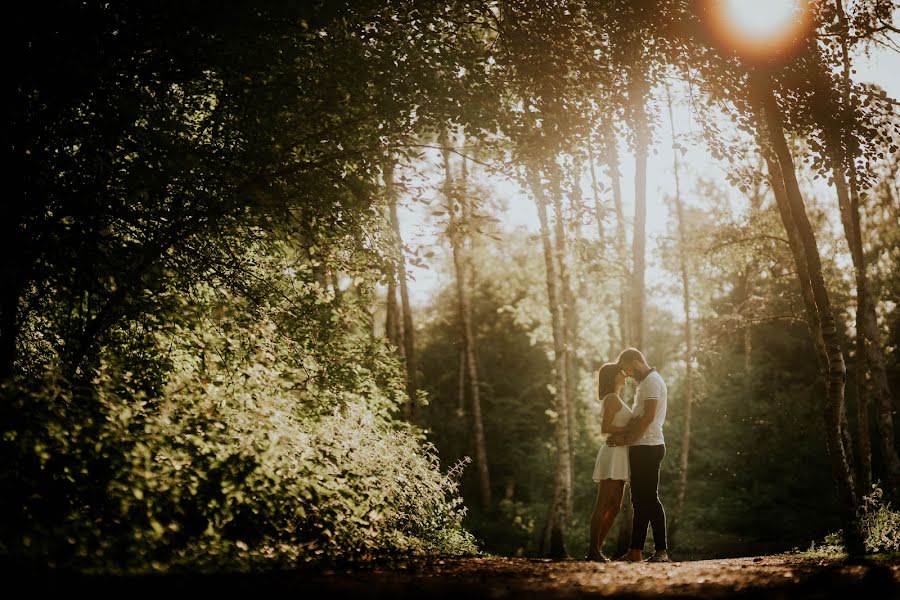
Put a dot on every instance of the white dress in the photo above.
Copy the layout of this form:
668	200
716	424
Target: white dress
612	462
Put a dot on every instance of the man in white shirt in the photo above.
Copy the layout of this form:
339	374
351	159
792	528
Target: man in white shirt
647	447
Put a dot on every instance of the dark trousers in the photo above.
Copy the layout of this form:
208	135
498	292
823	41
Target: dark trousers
648	510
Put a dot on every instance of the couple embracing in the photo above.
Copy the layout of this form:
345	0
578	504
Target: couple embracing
632	451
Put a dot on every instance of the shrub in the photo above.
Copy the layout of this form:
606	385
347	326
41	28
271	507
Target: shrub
880	524
210	474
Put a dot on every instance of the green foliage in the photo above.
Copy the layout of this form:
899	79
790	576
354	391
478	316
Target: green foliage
273	437
191	371
880	525
197	480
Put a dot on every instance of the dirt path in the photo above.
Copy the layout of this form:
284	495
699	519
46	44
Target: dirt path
496	578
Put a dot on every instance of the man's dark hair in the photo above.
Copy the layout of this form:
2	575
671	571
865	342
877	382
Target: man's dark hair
629	354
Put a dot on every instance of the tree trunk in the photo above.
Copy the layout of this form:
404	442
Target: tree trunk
457	241
641	127
408	331
553	541
869	353
862	417
612	161
570	319
461	385
636	306
599	216
756	199
392	316
688	332
795	219
598	205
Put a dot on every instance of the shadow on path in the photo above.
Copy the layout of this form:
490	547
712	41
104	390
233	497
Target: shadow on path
777	577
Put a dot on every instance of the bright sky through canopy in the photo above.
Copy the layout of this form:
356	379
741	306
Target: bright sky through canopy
761	19
760	29
880	66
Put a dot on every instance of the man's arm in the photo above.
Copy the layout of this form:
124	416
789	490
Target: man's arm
637	426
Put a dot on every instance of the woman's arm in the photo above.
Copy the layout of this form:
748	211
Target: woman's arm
636	426
609	412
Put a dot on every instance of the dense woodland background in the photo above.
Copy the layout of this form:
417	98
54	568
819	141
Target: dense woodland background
208	348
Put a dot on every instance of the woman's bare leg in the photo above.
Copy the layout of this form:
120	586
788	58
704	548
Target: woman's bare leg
609	499
596	522
612	493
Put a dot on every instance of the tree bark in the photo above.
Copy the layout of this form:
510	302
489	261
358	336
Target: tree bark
688	331
869	353
409	333
794	217
553	541
461	384
570	319
457	241
598	205
392	316
612	161
639	93
636	306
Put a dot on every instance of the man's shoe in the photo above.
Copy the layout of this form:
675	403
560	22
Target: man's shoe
659	558
626	558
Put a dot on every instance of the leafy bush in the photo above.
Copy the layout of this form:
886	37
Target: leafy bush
121	483
272	437
880	524
880	527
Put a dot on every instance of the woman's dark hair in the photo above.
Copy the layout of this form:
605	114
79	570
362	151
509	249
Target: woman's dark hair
606	379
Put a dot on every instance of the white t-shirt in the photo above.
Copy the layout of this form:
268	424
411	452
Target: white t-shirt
652	387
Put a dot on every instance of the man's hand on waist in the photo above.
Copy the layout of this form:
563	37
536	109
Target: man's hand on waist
616	439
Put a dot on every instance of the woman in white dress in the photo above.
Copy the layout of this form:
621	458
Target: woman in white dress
611	469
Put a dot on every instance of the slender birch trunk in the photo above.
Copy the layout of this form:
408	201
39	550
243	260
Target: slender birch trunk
641	125
392	323
461	384
756	200
570	318
598	205
457	241
599	216
835	371
688	331
553	542
408	331
869	348
639	241
612	161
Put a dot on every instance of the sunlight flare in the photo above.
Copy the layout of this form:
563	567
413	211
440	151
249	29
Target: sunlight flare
761	29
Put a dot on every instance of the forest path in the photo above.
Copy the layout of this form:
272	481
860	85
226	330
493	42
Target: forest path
497	577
